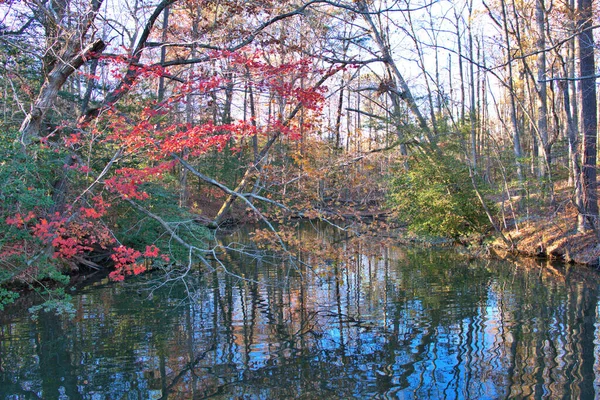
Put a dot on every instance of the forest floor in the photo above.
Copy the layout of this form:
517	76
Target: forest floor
551	231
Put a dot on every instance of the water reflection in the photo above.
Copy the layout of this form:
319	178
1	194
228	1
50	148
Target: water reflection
383	322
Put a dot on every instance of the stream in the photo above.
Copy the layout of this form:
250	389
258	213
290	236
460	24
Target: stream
387	322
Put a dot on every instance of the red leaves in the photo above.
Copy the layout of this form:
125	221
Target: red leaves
67	247
125	259
69	234
72	139
122	64
129	261
90	213
310	98
135	138
151	251
71	237
67	238
126	187
45	230
96	212
126	182
255	62
285	79
19	220
141	134
200	139
149	135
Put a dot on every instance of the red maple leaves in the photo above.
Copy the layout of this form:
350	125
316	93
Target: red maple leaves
148	135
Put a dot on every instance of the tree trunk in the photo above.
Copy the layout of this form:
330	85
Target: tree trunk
163	53
404	90
573	83
460	69
338	117
472	112
91	84
574	151
73	58
589	119
513	107
541	88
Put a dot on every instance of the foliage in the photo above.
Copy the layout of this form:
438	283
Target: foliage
24	194
435	197
7	297
138	231
94	175
132	142
97	197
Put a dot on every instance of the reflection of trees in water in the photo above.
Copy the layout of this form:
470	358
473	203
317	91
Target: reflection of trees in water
377	320
468	337
549	341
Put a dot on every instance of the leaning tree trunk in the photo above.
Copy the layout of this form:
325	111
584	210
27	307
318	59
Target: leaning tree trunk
405	92
71	60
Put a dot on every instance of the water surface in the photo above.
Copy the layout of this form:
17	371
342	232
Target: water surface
388	322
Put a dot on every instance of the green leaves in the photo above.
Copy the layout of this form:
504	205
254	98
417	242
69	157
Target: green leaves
7	297
435	198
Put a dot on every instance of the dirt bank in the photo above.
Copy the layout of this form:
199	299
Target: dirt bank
552	232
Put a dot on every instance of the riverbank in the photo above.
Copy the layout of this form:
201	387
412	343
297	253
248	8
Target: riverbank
548	232
551	232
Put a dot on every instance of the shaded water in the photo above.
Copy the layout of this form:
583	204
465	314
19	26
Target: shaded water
389	322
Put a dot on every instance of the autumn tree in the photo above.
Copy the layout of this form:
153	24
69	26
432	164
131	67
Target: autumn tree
112	170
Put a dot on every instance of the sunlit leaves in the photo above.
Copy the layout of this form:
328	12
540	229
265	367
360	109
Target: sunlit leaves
435	198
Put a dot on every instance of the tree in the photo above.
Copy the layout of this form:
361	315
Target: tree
436	197
589	117
222	106
121	153
540	16
69	48
401	88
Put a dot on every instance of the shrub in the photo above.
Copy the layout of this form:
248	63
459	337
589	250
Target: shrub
435	197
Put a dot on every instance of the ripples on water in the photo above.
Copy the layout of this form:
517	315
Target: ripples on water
397	323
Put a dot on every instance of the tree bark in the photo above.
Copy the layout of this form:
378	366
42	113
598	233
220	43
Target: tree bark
163	54
516	136
589	119
132	74
542	92
73	59
473	109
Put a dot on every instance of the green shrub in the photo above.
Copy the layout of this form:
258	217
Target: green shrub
27	185
435	197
